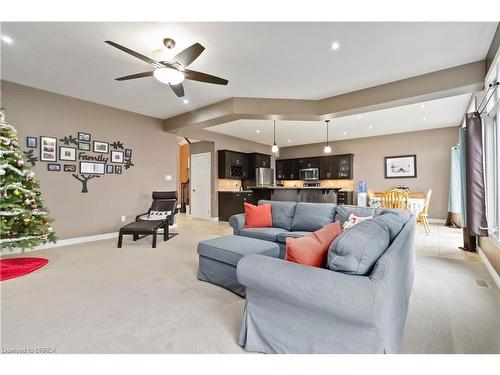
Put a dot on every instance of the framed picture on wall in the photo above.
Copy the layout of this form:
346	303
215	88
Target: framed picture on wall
91	168
48	149
67	153
84	146
109	168
53	167
128	153
101	147
118	169
31	142
69	168
403	166
83	137
116	156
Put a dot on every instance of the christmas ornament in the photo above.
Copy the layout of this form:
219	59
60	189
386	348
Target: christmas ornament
2	172
27	202
13	233
30	176
20	163
17	193
26	222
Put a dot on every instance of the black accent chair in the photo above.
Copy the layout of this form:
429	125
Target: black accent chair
142	227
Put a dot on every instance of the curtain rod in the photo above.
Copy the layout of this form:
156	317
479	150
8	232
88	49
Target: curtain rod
493	86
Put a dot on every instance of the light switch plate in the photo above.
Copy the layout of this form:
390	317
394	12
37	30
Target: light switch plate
123	218
168	177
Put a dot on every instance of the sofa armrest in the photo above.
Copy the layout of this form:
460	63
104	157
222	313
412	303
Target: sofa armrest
351	298
237	222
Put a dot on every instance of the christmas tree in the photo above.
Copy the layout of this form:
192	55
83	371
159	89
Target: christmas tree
24	220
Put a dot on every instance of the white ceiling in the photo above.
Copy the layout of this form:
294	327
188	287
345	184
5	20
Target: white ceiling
268	60
427	115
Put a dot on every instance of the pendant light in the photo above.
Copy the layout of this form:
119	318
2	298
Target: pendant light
275	148
327	148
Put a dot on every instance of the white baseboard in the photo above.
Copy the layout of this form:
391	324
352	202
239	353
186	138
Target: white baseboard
73	241
213	218
489	267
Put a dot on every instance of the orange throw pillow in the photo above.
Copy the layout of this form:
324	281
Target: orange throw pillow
258	216
312	250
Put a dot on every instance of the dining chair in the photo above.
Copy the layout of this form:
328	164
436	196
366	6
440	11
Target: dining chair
395	198
371	194
422	216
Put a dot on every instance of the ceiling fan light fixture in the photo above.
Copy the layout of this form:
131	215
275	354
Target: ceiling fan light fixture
169	76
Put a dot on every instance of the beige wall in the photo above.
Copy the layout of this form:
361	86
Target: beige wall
432	148
155	154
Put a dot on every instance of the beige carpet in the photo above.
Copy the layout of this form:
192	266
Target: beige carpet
95	298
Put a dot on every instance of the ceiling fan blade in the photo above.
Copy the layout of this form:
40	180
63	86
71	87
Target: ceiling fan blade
135	54
188	55
193	75
178	89
134	76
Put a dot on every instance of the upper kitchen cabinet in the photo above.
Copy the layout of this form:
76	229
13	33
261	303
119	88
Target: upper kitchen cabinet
327	168
287	169
256	160
232	164
280	169
308	163
344	166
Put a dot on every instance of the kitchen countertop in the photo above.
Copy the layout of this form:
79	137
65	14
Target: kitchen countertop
294	188
235	191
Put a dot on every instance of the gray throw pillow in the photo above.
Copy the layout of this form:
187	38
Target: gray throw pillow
355	251
310	217
282	213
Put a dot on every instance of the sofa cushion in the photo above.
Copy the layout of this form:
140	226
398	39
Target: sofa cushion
344	211
312	250
312	216
230	249
282	213
356	250
267	234
258	216
283	236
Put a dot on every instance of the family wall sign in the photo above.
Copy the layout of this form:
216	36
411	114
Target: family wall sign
81	156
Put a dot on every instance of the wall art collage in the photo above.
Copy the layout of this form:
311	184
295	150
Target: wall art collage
80	155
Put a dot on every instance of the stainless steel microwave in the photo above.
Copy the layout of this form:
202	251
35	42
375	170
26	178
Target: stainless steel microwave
309	174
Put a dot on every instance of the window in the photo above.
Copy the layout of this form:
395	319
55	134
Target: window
491	159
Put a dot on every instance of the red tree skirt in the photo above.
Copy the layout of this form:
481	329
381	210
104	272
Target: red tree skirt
15	267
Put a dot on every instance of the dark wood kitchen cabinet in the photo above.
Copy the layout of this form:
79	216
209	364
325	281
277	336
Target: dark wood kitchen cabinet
307	163
256	160
232	203
232	164
336	167
280	169
345	197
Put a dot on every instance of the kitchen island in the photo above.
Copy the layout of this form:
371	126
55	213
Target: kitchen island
311	194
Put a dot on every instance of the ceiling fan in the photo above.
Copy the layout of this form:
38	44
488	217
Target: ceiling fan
172	72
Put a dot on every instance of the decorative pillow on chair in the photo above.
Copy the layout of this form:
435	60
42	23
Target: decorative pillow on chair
353	220
312	250
158	215
258	216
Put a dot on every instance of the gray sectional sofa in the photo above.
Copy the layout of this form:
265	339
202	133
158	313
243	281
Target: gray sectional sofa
357	304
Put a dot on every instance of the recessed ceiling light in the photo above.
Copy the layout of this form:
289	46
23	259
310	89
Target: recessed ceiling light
289	140
422	106
7	39
345	133
359	116
335	45
257	131
425	118
370	126
186	101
